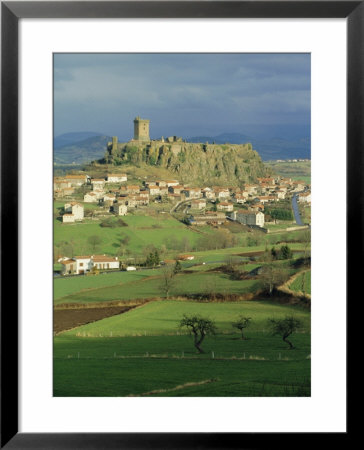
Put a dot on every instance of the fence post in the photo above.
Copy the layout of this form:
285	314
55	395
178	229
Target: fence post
213	355
78	355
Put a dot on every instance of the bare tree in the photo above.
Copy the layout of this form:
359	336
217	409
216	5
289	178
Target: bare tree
199	327
285	327
168	280
242	323
272	276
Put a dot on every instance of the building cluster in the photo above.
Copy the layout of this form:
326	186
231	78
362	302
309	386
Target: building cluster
117	196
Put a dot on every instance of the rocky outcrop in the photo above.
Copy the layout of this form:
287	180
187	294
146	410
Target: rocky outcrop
193	162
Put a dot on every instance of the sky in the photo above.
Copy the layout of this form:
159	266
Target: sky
182	94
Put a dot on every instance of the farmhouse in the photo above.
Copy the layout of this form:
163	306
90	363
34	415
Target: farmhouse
225	206
68	218
133	189
74	208
121	210
76	180
249	217
91	197
68	266
117	177
265	199
105	262
185	257
154	189
240	198
172	183
211	217
305	197
83	264
98	184
61	183
281	194
221	192
208	193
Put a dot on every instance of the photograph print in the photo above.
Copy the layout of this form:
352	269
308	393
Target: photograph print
182	225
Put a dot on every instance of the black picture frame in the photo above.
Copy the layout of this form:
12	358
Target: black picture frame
11	12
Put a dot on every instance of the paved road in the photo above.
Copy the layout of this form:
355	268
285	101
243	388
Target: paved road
296	210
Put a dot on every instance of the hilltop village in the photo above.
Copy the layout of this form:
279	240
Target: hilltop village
163	237
254	205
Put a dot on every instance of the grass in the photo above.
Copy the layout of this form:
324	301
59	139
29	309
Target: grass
139	353
162	317
141	231
259	366
302	283
146	284
64	286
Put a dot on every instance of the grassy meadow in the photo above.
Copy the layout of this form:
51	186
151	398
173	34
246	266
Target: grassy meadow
144	352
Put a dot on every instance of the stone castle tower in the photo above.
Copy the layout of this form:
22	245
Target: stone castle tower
141	129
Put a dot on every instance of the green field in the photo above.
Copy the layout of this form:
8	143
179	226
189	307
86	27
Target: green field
300	170
302	283
147	284
151	356
162	317
64	286
141	232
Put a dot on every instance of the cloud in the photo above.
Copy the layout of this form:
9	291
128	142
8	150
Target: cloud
105	91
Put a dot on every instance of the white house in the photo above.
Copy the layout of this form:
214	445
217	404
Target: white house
249	217
76	180
83	264
98	184
91	197
221	192
121	210
76	209
117	178
225	206
105	262
154	189
68	218
305	197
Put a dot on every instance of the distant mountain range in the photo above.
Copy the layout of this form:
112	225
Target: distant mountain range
83	147
78	149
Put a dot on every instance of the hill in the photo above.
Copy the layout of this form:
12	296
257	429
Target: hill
80	152
228	164
71	138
